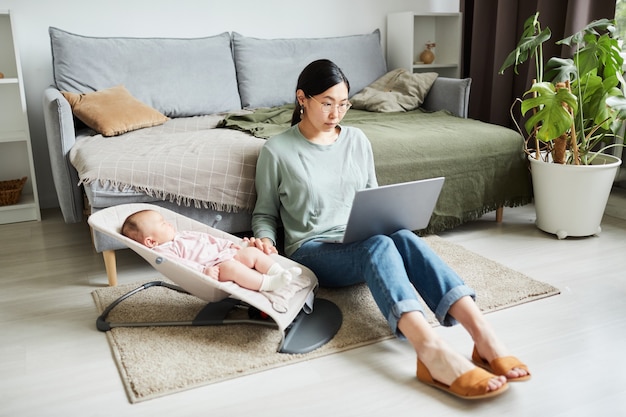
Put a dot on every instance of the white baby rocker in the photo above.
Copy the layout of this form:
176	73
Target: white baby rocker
307	323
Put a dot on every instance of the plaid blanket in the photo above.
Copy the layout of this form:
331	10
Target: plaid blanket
186	160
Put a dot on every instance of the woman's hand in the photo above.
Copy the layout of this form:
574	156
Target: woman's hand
264	244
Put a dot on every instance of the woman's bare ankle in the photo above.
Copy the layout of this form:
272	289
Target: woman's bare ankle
444	364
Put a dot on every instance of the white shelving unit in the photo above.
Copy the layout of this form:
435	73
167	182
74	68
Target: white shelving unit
408	33
16	156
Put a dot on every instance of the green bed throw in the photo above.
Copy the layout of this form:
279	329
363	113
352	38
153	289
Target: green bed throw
484	164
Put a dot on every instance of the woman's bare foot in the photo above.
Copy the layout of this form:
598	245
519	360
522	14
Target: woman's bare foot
494	349
446	365
488	345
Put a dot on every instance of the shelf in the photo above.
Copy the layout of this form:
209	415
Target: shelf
16	155
26	209
434	65
407	36
13	136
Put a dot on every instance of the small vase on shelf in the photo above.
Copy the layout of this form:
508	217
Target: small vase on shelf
427	56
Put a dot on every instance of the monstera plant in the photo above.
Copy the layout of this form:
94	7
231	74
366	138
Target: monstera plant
572	113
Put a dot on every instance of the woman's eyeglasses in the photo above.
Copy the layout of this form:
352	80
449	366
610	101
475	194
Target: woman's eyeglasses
328	107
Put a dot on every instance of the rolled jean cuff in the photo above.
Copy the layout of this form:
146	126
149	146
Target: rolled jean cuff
398	310
451	297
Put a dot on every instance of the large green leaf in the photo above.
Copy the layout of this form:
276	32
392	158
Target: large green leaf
588	88
549	115
531	40
595	28
561	69
611	56
593	92
596	54
596	48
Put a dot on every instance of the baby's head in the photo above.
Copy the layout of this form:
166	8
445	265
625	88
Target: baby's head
149	228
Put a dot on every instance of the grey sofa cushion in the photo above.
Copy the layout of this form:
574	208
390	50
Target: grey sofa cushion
450	94
178	77
268	69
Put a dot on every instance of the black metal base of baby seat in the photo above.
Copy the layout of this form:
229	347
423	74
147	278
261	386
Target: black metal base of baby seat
307	332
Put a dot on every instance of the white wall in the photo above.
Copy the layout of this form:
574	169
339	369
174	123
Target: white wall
179	18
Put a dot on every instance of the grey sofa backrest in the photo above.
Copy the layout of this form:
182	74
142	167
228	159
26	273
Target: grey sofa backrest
190	77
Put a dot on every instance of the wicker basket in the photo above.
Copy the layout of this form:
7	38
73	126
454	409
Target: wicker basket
10	191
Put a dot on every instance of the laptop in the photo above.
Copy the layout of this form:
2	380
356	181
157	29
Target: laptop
389	208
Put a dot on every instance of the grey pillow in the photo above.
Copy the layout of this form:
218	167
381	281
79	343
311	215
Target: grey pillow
178	77
268	69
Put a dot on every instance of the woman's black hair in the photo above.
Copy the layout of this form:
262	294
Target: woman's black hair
316	78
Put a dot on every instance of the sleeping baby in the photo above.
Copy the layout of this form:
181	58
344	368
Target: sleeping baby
218	258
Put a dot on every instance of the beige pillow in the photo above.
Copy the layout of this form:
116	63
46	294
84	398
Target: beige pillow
398	90
113	111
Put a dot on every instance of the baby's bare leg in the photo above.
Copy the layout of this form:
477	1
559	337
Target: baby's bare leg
242	275
274	275
253	257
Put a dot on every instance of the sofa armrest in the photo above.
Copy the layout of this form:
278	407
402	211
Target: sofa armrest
450	94
61	137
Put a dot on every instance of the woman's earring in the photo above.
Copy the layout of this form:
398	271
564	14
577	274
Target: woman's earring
301	111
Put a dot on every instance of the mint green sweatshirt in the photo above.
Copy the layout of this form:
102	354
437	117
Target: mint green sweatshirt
310	187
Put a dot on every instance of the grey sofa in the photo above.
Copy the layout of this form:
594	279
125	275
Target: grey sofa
194	78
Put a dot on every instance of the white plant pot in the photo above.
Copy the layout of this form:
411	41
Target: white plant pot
570	199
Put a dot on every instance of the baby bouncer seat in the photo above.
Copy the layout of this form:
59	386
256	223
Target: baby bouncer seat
305	322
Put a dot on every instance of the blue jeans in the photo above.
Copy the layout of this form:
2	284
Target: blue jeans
393	268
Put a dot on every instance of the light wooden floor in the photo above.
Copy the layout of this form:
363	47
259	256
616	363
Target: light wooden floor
53	362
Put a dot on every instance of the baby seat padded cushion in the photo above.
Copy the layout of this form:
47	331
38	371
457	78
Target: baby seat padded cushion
327	317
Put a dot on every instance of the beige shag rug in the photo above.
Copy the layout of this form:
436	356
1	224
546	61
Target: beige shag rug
157	361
